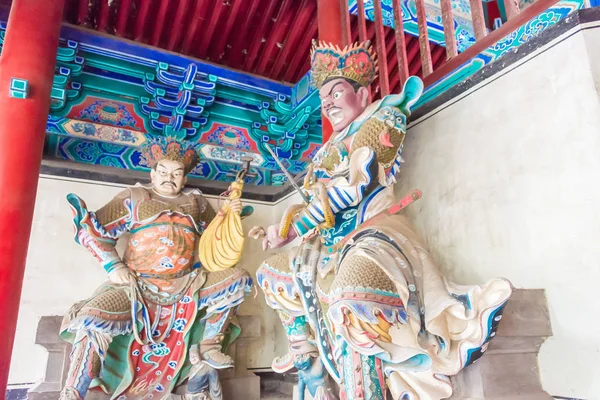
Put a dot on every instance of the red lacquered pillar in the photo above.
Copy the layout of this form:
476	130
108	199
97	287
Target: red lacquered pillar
329	17
28	54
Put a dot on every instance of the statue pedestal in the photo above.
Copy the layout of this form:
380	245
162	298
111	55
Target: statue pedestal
237	383
509	368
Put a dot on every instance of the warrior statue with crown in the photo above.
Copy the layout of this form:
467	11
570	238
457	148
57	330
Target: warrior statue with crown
167	312
362	302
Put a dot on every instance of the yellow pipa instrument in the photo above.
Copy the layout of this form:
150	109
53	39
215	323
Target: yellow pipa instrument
220	246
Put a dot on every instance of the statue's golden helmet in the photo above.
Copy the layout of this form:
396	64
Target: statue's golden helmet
166	148
356	63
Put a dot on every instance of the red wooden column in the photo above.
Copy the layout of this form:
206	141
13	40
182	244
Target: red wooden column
29	53
330	20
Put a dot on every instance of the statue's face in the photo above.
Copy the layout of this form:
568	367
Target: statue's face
168	177
341	104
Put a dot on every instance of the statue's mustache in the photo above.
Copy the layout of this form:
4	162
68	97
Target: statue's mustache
170	183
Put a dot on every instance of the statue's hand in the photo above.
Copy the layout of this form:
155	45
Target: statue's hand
194	354
272	239
235	206
121	275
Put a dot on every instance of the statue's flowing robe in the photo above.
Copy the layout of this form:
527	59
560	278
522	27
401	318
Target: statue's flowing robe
172	293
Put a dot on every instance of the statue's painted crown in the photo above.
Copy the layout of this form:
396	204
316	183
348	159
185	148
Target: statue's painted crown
167	148
356	62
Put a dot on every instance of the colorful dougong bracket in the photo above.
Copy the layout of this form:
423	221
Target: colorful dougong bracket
287	126
179	99
68	66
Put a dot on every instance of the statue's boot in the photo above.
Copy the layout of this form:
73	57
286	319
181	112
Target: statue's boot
211	354
299	346
85	366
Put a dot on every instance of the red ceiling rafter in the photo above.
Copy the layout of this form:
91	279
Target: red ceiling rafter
240	41
301	58
159	22
197	21
104	16
277	35
208	32
260	35
224	35
295	37
123	13
83	8
271	38
140	23
178	24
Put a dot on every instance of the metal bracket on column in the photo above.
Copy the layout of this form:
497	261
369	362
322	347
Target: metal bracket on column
19	88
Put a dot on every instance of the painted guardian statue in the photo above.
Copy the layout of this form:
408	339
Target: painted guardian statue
168	310
363	304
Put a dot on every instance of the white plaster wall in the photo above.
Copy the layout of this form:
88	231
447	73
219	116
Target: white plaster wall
59	273
511	186
592	39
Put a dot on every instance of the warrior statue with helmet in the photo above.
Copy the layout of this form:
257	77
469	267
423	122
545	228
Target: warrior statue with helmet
167	312
362	302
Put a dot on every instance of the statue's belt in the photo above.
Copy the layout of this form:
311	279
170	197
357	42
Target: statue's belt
178	274
396	208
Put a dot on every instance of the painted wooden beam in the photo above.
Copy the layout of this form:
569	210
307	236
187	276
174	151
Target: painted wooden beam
529	13
478	19
449	34
362	21
384	83
400	43
423	38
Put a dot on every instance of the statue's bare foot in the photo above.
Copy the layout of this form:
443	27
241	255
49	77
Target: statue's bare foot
217	359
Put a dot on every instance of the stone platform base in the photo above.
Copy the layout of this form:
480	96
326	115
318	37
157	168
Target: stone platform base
236	383
507	371
245	388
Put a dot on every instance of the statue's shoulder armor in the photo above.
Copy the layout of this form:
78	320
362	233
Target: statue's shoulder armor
331	156
114	209
383	131
205	211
